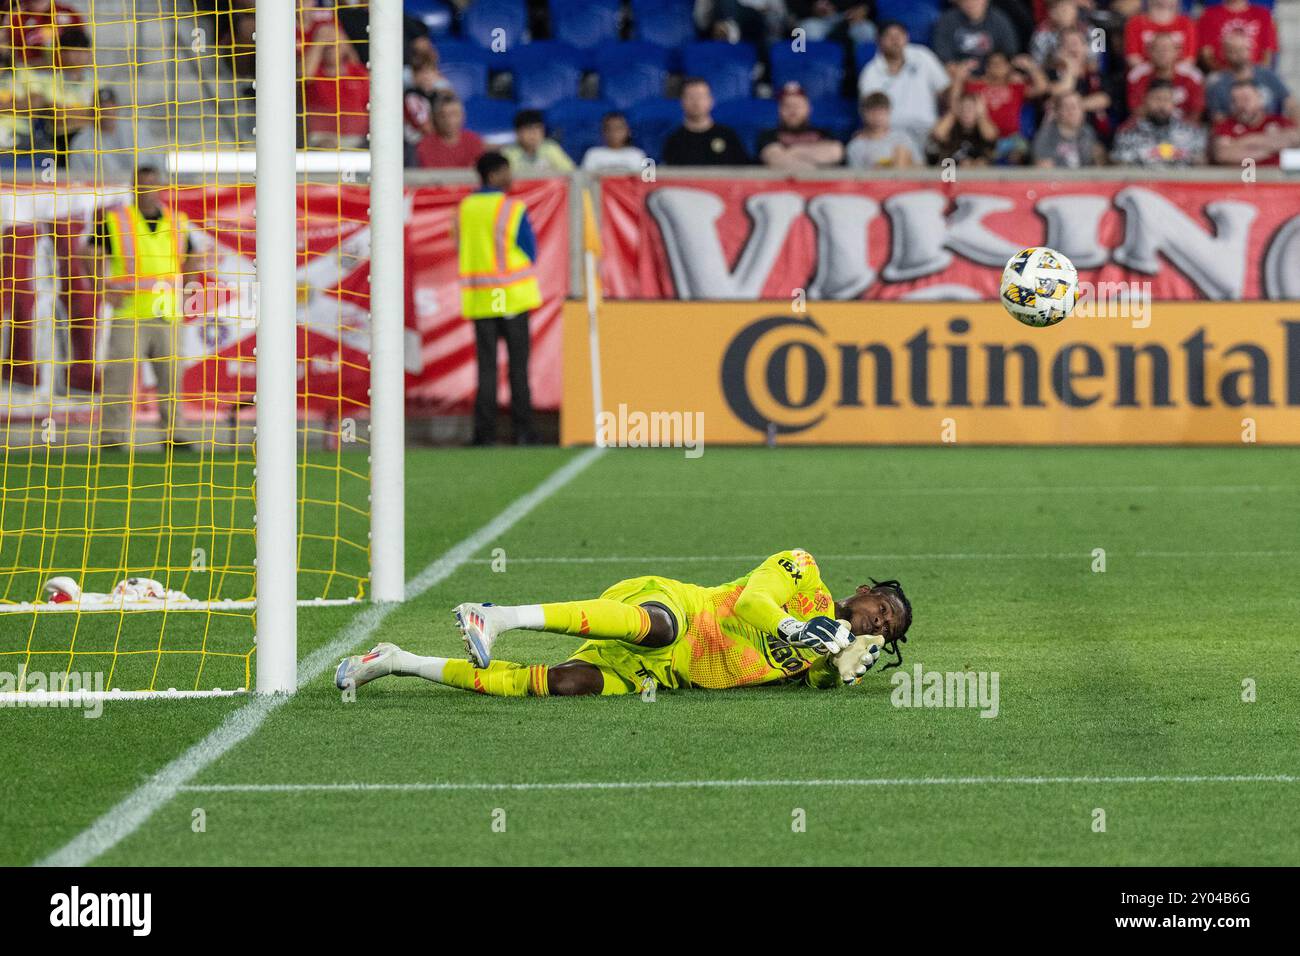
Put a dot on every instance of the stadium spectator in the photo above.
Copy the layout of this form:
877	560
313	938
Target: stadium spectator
1004	86
795	144
1250	132
1161	16
533	153
617	155
736	21
877	145
1234	16
971	30
833	19
497	251
1071	69
1162	63
1155	137
1237	50
72	91
107	150
32	26
1066	139
965	134
1062	16
911	76
336	97
699	141
450	145
418	100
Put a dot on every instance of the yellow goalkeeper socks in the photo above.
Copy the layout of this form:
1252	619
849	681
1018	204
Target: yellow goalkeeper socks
499	678
599	618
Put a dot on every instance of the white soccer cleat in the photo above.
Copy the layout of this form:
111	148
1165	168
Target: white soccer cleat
363	668
479	624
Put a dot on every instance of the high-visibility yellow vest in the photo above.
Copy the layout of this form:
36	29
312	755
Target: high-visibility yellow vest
146	259
496	276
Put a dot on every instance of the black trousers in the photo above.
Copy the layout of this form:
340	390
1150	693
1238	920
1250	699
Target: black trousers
514	328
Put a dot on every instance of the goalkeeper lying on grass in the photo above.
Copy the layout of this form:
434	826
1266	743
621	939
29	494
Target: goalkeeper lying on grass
778	623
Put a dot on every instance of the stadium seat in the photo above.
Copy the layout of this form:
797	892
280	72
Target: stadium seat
545	72
484	17
575	124
917	15
669	23
585	24
748	118
836	114
652	121
632	83
434	14
614	56
465	65
728	67
863	53
819	69
492	119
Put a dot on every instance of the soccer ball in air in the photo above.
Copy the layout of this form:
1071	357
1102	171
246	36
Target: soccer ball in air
1039	286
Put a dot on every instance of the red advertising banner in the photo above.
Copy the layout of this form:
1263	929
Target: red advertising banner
930	240
44	254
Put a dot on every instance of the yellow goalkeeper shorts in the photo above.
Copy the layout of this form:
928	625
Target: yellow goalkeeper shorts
626	667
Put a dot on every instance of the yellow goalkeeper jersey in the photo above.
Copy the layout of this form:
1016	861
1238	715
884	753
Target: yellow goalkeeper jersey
727	635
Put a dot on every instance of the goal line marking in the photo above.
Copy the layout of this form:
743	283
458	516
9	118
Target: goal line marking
935	556
727	784
129	814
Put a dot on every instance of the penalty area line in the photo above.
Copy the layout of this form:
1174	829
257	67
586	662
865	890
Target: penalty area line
128	815
736	784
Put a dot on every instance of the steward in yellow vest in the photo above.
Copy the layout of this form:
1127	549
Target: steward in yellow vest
498	288
146	250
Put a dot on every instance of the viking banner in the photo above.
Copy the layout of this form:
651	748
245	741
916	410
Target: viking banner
930	240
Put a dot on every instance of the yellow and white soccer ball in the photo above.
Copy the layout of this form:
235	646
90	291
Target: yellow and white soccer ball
1039	286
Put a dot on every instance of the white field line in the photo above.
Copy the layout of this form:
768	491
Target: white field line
735	784
1013	490
127	816
934	556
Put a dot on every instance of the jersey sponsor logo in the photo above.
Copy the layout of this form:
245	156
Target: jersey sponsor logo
790	569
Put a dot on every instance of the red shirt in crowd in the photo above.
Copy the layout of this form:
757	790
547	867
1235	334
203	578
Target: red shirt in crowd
35	29
339	103
1189	88
1141	28
1004	102
436	153
1254	21
1235	129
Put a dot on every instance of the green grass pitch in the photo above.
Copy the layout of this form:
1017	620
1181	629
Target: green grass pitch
1134	672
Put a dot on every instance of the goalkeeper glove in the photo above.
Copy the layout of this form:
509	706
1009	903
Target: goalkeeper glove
822	634
854	663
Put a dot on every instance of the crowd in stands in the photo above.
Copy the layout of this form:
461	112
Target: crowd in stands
867	84
789	84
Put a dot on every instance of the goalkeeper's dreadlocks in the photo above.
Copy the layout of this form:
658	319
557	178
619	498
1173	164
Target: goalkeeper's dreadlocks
881	608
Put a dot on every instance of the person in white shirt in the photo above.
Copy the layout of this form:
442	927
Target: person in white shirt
911	76
618	155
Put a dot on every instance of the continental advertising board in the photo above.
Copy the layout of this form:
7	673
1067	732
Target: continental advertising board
930	373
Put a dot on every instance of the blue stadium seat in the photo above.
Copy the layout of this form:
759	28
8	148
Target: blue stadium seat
465	65
575	125
863	53
434	14
917	15
652	121
748	118
545	72
819	69
632	83
614	56
585	24
669	23
728	67
836	114
484	17
490	118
